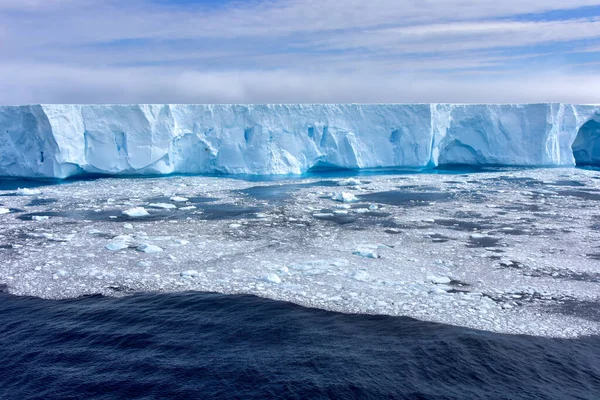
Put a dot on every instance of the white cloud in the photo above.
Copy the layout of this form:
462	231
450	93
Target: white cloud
290	51
58	84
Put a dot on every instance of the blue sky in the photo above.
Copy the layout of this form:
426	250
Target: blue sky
256	51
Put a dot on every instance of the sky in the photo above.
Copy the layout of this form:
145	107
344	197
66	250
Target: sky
299	51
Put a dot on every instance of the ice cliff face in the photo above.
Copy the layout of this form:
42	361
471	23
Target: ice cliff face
65	140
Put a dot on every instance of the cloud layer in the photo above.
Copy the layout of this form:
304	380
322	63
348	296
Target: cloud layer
155	51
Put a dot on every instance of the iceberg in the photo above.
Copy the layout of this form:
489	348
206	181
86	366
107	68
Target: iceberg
59	141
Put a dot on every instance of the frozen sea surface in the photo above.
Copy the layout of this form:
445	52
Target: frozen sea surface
509	251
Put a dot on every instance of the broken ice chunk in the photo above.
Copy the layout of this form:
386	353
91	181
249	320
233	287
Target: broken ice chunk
189	274
344	197
272	278
4	210
149	248
439	280
366	251
136	212
116	246
349	182
28	192
164	206
361	276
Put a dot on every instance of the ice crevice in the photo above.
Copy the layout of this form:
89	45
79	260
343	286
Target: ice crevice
58	141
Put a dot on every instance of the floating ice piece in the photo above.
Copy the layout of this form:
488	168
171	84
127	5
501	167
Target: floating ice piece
366	251
361	276
136	212
188	208
164	206
322	215
189	274
272	278
120	242
28	192
40	218
349	182
439	280
149	248
117	245
4	210
128	226
344	197
178	199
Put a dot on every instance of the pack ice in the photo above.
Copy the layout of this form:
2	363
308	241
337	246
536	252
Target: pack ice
59	141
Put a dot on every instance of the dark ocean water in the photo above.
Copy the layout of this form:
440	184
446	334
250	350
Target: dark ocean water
205	346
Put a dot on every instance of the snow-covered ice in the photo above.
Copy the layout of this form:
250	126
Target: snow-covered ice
344	197
136	212
28	192
512	251
149	248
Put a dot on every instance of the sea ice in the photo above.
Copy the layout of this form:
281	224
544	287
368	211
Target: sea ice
164	206
367	251
28	192
344	197
149	248
136	212
272	278
349	182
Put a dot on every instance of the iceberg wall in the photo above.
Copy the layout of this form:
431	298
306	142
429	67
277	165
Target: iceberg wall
65	140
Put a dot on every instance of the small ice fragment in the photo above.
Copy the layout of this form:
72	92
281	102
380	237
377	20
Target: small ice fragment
189	274
40	218
164	206
128	226
188	208
322	215
149	248
344	197
136	212
439	280
367	252
438	291
181	242
349	182
28	192
4	211
341	212
373	207
117	245
272	278
178	199
361	276
235	226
